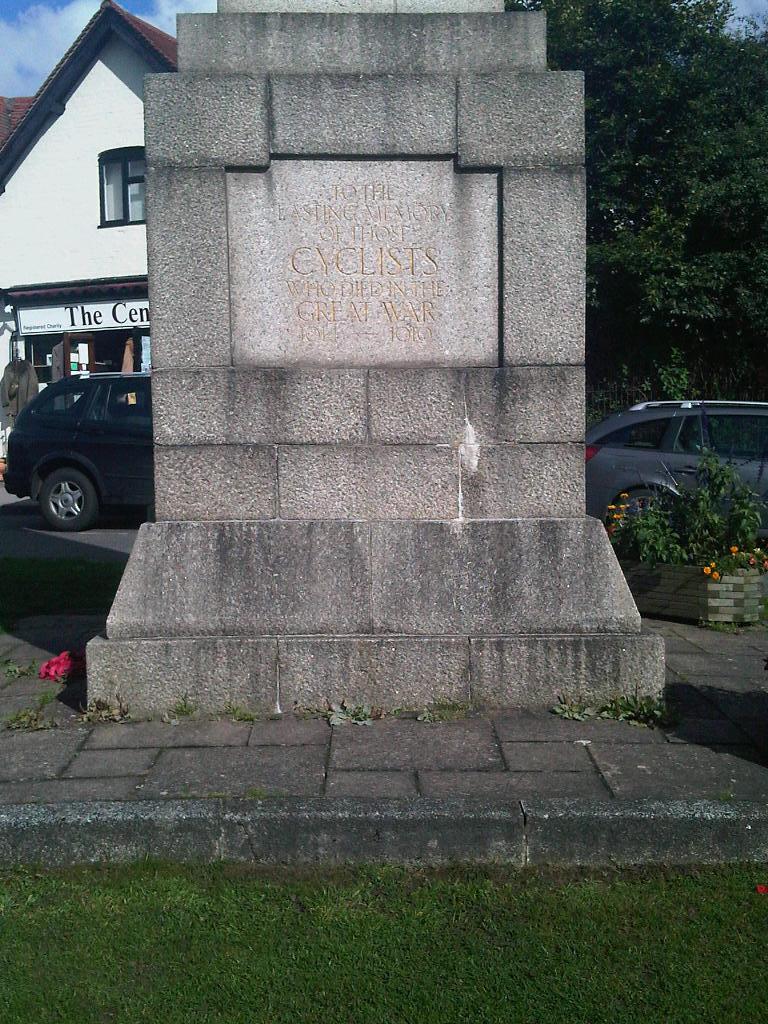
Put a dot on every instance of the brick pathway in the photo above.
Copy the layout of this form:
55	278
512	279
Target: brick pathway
718	751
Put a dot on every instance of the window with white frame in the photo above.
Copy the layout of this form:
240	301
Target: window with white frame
121	186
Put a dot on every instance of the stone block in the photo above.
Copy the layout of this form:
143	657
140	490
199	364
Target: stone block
95	764
524	120
206	120
544	266
246	405
407	672
525	670
372	785
645	832
253	772
364	44
363	115
150	676
549	576
508	481
511	787
526	404
37	755
178	733
368	482
417	406
364	263
187	254
201	482
402	745
239	579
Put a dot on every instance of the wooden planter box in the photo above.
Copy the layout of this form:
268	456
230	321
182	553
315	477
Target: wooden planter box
684	592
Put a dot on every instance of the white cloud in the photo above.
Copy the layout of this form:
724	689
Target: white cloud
37	38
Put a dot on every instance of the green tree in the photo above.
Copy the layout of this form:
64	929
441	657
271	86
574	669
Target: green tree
677	170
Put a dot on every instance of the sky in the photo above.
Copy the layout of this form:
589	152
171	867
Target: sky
35	35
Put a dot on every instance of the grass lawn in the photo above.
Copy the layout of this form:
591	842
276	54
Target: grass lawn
382	946
42	586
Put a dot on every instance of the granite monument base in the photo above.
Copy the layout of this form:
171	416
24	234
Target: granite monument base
276	616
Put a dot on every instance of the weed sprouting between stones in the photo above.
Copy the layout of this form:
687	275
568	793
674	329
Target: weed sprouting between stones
647	712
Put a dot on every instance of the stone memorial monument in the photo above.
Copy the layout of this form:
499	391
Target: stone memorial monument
366	259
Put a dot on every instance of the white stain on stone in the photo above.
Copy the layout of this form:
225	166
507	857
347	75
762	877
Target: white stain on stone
469	460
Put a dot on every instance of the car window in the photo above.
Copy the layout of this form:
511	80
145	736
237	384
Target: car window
61	406
128	405
645	434
689	440
738	436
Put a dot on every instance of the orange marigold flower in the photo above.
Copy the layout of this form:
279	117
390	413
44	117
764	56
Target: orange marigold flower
713	564
715	575
734	550
623	494
611	508
617	515
707	570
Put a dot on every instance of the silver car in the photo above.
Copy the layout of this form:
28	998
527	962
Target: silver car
658	444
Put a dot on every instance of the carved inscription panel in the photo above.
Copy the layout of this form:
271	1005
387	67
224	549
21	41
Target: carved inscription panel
360	263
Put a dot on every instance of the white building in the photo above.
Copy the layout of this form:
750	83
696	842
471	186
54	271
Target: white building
73	264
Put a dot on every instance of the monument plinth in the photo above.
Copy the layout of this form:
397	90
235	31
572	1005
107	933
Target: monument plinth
366	260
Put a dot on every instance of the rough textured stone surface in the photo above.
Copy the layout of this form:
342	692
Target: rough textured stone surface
37	755
677	772
423	406
244	579
290	731
516	480
371	785
64	791
407	274
521	120
171	733
273	831
255	772
150	676
368	482
544	266
361	44
519	671
512	786
518	576
215	482
526	404
512	403
468	745
365	115
644	832
206	120
532	725
94	764
408	672
547	757
246	405
188	267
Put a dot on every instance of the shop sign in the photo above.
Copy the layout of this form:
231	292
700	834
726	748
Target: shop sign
84	316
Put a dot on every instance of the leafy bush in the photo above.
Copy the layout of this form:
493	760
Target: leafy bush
718	518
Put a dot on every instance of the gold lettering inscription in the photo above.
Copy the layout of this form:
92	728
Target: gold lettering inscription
369	263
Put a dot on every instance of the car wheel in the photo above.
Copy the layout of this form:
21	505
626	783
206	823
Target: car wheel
68	500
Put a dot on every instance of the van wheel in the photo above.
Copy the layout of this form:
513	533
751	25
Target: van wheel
68	500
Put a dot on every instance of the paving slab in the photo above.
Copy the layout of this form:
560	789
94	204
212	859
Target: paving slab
254	772
510	786
370	785
407	745
677	771
547	757
64	791
541	725
703	731
37	755
165	734
290	731
95	764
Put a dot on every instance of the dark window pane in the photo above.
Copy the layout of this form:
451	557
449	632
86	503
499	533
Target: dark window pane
128	405
739	436
136	168
647	434
136	201
64	406
113	191
689	439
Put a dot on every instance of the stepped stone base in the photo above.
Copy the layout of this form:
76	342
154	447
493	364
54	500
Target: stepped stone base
274	615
